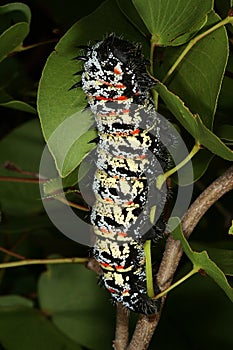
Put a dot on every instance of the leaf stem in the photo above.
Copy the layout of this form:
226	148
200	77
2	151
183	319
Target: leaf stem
164	292
163	177
43	261
21	48
71	204
149	274
195	40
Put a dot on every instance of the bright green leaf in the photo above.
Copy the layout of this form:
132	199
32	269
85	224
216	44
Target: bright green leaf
168	20
201	260
198	77
193	124
221	256
11	36
231	229
77	305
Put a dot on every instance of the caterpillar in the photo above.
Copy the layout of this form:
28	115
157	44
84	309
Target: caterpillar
129	157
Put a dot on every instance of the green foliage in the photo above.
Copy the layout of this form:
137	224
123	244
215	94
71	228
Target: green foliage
167	22
201	260
62	307
22	146
77	311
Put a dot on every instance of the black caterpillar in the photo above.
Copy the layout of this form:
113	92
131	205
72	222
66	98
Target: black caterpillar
129	157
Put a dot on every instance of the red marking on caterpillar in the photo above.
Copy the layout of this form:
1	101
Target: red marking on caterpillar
102	98
135	132
117	71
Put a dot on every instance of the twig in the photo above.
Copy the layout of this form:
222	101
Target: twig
122	325
22	179
43	261
146	326
11	253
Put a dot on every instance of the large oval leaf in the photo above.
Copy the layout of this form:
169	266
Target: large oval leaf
77	305
197	79
193	124
168	20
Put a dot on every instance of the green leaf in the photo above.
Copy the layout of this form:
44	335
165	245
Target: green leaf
77	305
131	13
23	146
18	105
193	123
14	300
168	20
198	78
56	104
22	327
201	261
222	257
225	102
12	35
230	232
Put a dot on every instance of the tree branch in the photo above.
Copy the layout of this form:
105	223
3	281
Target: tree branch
146	325
122	325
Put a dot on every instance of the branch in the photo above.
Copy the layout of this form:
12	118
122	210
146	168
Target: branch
122	325
43	261
146	325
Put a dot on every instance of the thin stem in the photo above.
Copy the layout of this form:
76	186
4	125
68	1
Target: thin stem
149	274
9	252
195	40
36	181
22	179
163	177
32	46
43	261
188	275
71	204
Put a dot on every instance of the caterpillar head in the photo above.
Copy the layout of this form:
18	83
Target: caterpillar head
115	67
